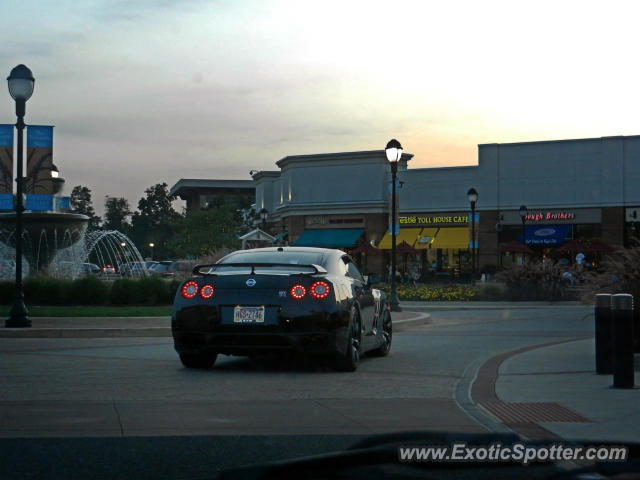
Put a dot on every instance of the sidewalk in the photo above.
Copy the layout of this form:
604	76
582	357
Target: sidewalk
440	306
556	381
110	327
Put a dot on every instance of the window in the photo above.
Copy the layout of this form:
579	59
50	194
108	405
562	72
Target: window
352	269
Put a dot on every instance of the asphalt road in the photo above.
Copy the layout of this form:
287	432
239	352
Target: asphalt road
126	407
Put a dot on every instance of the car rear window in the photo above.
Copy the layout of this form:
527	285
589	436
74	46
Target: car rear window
293	258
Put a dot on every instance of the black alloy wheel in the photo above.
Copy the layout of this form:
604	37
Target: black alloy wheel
198	360
351	358
387	335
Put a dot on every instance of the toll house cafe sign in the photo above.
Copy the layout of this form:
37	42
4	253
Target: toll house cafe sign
434	219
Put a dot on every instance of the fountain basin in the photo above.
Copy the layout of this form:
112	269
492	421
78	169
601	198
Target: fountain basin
44	234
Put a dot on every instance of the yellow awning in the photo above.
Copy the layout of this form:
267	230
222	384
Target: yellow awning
452	237
409	235
425	239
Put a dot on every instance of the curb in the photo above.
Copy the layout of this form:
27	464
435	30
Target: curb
403	325
164	332
84	332
440	308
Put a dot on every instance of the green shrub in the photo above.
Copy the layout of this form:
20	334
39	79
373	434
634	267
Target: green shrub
490	292
6	292
535	281
47	291
88	291
143	291
172	288
152	290
93	291
619	273
427	293
124	292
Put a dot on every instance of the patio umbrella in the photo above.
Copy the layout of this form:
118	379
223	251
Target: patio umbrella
575	246
599	246
404	247
366	248
516	247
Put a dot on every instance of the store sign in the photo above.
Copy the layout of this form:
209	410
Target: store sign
547	235
547	216
448	219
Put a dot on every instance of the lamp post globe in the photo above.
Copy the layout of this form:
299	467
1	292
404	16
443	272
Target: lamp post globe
21	83
393	150
472	196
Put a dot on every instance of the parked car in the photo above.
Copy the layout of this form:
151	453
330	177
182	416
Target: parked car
90	269
284	299
109	270
149	264
173	268
134	269
162	269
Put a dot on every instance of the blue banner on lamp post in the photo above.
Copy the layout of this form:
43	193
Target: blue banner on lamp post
62	203
39	202
6	201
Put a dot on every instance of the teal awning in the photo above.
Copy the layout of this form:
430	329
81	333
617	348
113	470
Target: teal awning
280	237
329	238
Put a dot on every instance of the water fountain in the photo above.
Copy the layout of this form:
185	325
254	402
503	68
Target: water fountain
57	244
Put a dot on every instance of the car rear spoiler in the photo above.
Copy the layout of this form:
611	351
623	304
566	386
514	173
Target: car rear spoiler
317	268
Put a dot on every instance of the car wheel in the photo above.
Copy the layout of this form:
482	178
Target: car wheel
387	335
198	360
349	362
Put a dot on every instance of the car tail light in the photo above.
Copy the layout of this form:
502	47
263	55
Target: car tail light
189	289
319	290
206	292
298	292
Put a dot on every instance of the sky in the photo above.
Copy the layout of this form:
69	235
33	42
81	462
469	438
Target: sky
150	91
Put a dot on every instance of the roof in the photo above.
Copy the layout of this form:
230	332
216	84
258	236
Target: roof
330	237
342	156
186	183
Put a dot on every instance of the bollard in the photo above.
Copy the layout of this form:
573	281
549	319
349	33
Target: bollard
622	310
604	334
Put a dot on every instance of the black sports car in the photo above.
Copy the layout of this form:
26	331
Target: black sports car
281	299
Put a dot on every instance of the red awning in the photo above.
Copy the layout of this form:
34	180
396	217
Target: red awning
516	247
365	248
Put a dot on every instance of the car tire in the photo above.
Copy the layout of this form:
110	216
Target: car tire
387	336
349	361
198	360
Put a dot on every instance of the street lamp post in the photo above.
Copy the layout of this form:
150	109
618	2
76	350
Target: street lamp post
394	154
472	195
21	84
264	213
523	216
151	245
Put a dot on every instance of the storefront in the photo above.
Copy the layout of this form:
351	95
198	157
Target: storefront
441	242
579	193
546	231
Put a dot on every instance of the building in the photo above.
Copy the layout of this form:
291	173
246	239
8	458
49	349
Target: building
585	190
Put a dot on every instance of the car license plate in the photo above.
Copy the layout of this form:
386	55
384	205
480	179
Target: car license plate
248	315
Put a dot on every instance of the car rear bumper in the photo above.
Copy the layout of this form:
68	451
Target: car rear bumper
201	331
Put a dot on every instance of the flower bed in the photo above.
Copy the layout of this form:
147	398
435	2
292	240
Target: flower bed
447	293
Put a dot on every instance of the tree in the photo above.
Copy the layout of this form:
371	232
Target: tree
205	231
81	203
158	204
156	220
117	212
